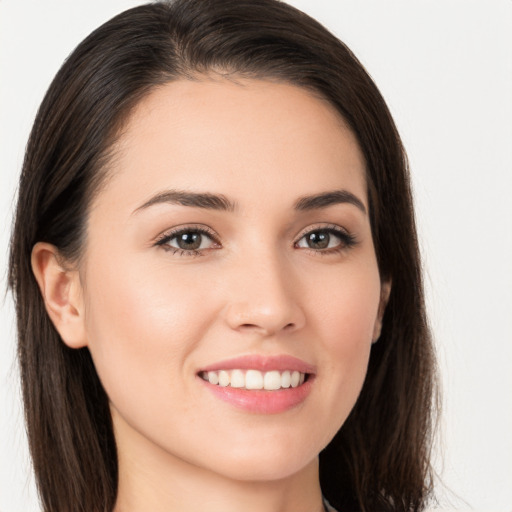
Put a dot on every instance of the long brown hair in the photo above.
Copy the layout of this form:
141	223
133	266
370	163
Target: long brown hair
380	458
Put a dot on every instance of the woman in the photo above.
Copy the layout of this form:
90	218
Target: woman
216	273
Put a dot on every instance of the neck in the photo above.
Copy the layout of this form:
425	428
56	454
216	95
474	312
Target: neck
150	479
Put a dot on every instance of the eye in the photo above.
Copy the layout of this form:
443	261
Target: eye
329	239
188	241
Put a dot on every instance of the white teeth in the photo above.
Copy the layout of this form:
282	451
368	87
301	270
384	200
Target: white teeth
286	379
223	378
213	377
272	380
254	379
237	379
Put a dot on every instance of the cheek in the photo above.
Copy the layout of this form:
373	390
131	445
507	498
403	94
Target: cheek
346	311
344	321
141	328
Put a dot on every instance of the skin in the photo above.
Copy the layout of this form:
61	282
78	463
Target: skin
153	317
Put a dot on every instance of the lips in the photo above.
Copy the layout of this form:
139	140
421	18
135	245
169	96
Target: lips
260	384
263	364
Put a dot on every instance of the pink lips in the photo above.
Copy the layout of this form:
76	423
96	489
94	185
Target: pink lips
262	401
262	363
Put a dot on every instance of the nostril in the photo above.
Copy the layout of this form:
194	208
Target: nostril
266	328
246	316
249	326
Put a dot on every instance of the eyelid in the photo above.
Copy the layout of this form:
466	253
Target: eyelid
323	227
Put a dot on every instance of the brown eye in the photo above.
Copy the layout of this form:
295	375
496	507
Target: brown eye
188	240
326	240
318	240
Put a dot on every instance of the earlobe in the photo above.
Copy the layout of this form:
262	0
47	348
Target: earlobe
385	291
62	294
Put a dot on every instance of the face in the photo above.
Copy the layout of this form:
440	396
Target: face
230	283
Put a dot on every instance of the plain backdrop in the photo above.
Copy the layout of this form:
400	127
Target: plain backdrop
445	69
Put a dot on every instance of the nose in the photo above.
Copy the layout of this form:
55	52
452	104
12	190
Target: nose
264	298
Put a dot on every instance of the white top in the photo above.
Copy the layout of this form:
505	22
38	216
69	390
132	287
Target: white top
328	507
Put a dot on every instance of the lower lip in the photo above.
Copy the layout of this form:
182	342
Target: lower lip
262	401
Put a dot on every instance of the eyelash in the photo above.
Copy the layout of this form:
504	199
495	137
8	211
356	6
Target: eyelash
347	240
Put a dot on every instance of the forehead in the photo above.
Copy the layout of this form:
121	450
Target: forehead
220	135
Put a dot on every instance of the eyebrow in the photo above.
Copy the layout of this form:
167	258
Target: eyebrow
210	201
194	199
326	199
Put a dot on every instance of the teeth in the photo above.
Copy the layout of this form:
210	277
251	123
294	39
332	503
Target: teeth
223	378
237	379
254	379
213	377
272	380
295	379
286	379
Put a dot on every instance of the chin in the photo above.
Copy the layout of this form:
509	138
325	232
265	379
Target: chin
266	462
265	471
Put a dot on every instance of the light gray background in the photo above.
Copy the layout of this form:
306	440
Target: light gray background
445	68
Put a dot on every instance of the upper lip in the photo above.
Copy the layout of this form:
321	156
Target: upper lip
262	363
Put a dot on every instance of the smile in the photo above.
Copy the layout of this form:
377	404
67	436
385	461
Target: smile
260	384
255	379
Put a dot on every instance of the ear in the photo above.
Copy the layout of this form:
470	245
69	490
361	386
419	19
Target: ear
62	293
385	290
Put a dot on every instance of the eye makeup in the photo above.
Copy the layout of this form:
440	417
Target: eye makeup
195	240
